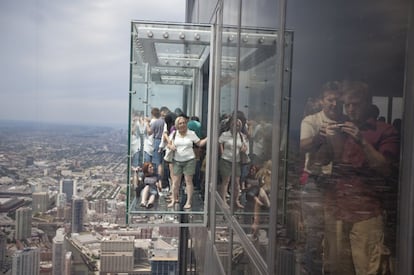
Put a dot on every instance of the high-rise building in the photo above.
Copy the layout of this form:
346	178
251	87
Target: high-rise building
120	213
29	161
117	254
68	263
23	223
68	187
78	213
60	205
67	213
26	261
3	250
40	201
61	200
58	253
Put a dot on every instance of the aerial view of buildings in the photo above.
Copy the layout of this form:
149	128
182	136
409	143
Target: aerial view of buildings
62	204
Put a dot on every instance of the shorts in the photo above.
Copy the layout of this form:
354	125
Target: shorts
225	168
184	167
153	189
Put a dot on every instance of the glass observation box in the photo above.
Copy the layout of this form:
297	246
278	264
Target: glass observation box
201	72
167	66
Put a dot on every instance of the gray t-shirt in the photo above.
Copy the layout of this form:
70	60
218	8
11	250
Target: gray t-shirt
157	128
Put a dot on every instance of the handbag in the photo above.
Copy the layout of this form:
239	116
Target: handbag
169	154
244	157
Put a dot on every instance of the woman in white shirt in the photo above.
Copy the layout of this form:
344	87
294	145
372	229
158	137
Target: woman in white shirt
184	161
226	141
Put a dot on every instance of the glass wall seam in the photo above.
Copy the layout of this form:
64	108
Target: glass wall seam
406	217
277	131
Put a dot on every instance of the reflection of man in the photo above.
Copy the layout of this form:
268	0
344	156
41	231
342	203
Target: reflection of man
317	171
365	153
312	132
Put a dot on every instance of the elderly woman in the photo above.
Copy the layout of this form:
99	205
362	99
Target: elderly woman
184	162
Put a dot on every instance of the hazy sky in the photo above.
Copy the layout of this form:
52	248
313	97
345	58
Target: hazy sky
68	61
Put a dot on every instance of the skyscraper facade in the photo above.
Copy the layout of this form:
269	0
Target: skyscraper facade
58	253
3	250
40	201
78	213
68	263
26	261
23	223
60	205
68	187
61	200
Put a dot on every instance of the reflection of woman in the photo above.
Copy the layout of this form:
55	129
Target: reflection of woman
260	194
226	141
257	199
252	183
136	150
148	141
169	129
151	185
184	159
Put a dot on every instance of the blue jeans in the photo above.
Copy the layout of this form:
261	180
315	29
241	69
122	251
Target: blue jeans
156	155
147	157
136	159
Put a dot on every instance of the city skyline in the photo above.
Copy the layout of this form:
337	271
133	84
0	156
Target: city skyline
35	162
69	62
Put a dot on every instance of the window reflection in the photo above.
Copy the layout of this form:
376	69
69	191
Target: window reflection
233	145
246	119
137	139
349	183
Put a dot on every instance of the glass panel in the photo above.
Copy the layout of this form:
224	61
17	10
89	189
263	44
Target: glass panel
343	185
231	247
241	263
166	61
223	240
248	82
250	94
352	40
